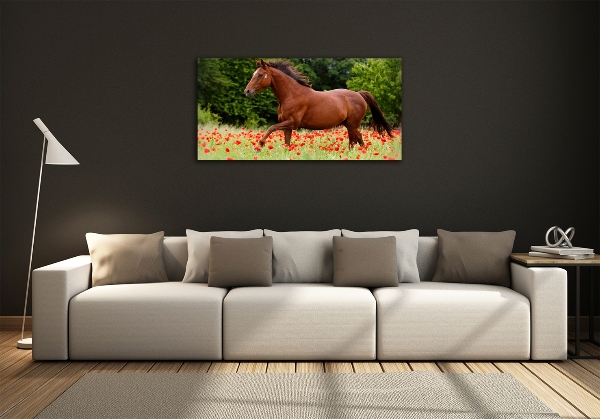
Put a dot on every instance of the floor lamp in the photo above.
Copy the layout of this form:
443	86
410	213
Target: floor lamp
55	153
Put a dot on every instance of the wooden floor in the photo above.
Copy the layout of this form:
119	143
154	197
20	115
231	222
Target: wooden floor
570	388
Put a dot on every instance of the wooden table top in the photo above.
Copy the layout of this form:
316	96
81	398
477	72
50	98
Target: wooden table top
525	259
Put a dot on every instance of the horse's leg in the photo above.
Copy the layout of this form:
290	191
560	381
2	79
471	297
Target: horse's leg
355	117
285	126
350	137
287	136
354	137
359	138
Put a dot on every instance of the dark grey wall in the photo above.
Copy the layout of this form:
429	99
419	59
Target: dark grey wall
501	122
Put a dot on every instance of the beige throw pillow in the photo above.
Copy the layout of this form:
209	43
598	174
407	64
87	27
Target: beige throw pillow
126	258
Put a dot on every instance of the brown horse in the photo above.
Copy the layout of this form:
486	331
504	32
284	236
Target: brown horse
302	107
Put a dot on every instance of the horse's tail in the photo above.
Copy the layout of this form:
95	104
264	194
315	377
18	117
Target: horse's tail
378	121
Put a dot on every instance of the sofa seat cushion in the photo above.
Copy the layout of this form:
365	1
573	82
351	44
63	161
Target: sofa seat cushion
299	322
152	321
451	321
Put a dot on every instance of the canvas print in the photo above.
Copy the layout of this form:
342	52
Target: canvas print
299	109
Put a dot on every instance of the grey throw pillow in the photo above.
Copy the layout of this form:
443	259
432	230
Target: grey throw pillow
474	257
196	269
365	262
407	246
302	256
240	262
126	258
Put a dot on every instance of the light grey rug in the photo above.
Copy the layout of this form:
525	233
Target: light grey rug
420	395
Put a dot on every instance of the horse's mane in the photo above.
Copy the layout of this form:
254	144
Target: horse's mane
288	68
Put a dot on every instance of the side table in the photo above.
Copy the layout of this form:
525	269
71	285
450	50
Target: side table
533	261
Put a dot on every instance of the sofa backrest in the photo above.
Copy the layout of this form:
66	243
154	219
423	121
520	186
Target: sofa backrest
427	257
175	254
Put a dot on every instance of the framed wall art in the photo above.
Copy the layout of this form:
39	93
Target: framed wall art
299	109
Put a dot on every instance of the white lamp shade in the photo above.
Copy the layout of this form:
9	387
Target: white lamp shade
56	153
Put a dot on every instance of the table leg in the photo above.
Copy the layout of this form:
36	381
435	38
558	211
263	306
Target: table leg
591	336
577	296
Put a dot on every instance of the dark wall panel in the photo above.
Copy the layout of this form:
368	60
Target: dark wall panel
501	122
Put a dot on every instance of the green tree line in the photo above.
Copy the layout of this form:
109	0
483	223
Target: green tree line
221	83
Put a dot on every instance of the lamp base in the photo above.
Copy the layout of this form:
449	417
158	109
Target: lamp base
26	343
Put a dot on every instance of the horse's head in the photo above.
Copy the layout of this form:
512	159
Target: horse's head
261	79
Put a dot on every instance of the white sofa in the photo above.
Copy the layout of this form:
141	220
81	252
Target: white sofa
297	321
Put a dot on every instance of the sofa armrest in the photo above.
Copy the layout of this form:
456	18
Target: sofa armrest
53	286
546	289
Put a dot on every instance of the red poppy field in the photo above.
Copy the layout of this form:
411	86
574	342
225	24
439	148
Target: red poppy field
229	143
